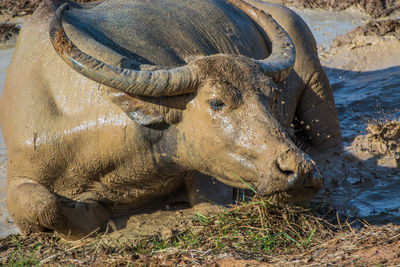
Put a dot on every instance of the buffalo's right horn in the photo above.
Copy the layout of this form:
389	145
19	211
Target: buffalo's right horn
281	60
147	83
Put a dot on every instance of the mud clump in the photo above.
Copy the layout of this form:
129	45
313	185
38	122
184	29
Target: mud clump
375	8
8	32
390	27
382	141
384	138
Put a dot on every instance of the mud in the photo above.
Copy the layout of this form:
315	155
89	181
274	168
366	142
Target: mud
370	46
382	141
389	28
6	224
8	34
165	221
375	8
13	8
362	182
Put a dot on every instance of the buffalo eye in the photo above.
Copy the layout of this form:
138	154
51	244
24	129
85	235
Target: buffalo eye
216	104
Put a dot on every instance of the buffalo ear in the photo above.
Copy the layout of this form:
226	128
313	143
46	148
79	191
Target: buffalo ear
136	109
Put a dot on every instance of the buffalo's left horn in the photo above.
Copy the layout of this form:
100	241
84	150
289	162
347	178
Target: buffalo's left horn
147	83
281	60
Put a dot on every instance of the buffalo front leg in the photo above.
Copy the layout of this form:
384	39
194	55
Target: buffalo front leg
35	209
202	188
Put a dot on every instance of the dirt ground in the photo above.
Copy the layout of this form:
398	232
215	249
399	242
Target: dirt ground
370	246
364	246
361	49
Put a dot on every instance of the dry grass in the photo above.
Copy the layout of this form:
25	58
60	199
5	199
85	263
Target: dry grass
254	230
258	228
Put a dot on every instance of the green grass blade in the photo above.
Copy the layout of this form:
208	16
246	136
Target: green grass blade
246	184
309	237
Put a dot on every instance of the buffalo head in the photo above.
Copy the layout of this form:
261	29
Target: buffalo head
223	107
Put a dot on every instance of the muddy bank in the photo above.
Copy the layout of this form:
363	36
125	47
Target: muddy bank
373	46
389	28
375	8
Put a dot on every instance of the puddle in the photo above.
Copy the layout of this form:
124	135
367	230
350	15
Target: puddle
327	25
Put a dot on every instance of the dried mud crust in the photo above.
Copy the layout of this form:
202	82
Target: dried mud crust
375	8
390	27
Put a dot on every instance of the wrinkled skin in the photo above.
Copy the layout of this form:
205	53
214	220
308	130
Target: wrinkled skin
80	152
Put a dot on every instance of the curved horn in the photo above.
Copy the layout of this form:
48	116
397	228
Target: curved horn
281	60
147	83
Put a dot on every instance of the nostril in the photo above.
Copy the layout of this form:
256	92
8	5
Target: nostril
286	171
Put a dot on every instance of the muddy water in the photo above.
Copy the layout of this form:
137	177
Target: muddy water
365	79
6	225
359	182
327	25
363	182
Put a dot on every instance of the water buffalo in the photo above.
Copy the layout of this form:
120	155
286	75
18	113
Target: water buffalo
113	105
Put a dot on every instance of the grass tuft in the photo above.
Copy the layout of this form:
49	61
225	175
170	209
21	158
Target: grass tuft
256	230
260	227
